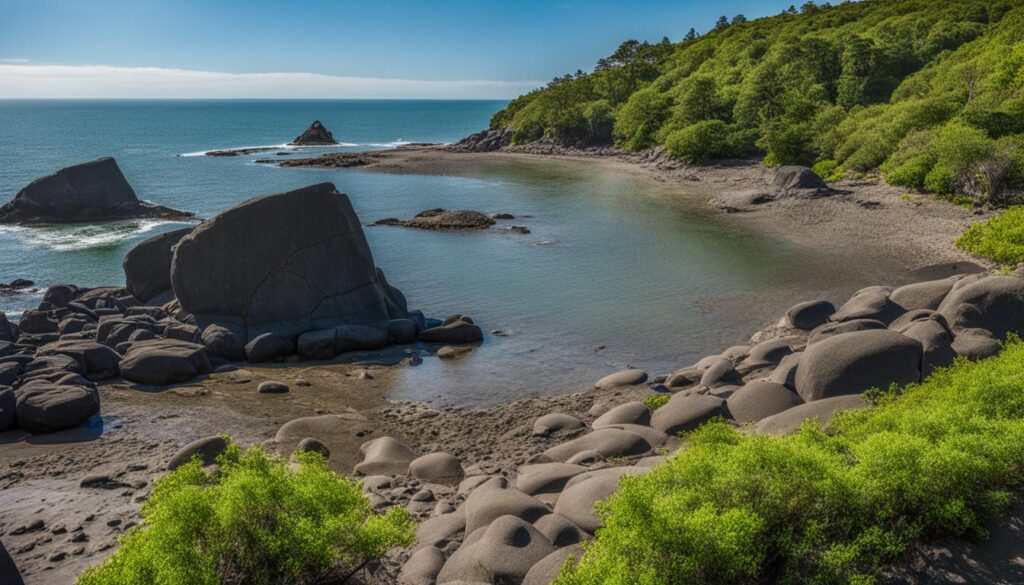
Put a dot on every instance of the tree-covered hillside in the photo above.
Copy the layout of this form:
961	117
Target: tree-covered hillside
929	91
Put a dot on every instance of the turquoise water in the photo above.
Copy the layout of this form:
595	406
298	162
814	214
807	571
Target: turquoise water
617	271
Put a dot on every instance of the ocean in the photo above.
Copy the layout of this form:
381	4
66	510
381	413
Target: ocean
617	271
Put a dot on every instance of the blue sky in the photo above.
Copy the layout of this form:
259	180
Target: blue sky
55	48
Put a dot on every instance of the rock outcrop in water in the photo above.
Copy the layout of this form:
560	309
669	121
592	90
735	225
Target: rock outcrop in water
315	135
443	220
93	191
283	264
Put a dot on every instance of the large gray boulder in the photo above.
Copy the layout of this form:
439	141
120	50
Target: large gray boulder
160	362
760	399
685	412
91	191
147	266
809	314
995	303
503	552
45	406
821	411
795	177
8	406
96	361
285	264
873	304
851	363
923	295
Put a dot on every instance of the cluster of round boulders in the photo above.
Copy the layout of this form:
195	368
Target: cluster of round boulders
521	524
274	277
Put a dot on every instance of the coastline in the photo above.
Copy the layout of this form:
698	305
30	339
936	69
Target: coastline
906	232
143	429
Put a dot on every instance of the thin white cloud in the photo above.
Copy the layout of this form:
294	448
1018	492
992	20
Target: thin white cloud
103	81
10	60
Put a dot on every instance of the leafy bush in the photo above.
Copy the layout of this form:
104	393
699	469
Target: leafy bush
656	401
1000	239
701	142
933	460
258	520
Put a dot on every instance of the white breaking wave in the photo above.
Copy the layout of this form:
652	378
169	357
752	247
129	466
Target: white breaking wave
65	238
267	147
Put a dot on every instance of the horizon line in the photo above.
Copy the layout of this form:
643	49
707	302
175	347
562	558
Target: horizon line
99	82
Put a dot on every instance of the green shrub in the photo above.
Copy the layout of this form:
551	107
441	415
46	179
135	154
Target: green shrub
933	460
656	401
829	170
701	142
1000	239
259	520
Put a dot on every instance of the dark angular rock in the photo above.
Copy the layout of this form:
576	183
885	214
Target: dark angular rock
147	266
286	264
797	177
160	362
8	408
461	330
86	192
47	407
315	135
97	361
222	343
268	347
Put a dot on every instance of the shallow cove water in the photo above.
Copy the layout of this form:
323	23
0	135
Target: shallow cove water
617	270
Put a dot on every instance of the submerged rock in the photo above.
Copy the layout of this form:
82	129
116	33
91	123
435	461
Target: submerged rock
316	134
92	191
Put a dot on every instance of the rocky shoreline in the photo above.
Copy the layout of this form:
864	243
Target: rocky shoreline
161	347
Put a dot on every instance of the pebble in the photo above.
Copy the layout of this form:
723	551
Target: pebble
450	351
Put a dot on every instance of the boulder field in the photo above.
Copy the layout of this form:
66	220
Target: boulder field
519	521
284	275
92	191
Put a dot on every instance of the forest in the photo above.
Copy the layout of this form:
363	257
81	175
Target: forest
928	92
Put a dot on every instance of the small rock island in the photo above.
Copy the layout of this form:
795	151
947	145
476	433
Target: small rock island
92	191
315	135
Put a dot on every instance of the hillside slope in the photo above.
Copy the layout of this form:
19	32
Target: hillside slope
929	91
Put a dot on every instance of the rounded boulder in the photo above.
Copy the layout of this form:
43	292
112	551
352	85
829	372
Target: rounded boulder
854	362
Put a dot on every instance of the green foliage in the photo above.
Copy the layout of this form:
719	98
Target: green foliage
932	460
656	401
258	520
1000	239
701	142
851	83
